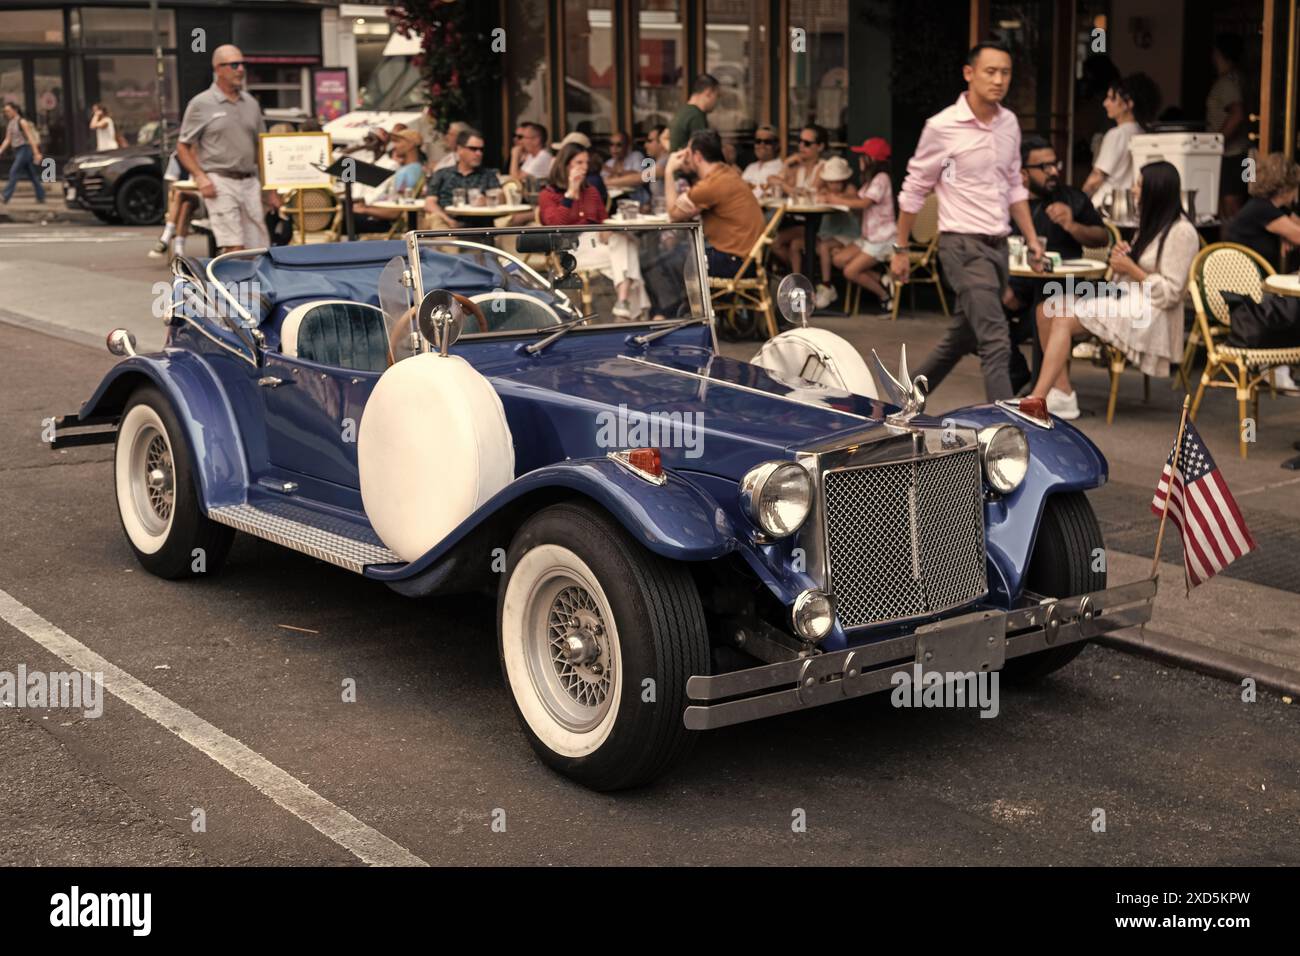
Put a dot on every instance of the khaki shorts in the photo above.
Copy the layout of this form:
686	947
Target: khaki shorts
235	214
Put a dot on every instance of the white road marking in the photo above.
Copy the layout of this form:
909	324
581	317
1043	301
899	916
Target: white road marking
368	845
26	240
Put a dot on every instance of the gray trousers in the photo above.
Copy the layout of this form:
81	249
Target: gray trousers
977	271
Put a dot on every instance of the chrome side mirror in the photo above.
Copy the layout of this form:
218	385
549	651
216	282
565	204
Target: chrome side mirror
794	297
441	319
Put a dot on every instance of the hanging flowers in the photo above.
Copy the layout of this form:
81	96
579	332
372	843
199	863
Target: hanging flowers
456	56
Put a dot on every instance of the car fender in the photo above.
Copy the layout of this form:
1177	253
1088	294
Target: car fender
675	520
130	166
201	404
1061	459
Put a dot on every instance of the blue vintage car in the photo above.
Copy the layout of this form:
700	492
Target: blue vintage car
677	540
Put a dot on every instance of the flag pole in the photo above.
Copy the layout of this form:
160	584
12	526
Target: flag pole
1169	492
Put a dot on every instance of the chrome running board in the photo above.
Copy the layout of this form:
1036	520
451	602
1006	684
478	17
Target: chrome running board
338	541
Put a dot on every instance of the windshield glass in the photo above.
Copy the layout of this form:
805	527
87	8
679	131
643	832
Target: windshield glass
535	278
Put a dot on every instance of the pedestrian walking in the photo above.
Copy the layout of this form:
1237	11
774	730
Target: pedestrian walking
26	143
218	145
969	155
693	116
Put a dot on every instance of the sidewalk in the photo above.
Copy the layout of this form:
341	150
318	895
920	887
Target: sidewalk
24	207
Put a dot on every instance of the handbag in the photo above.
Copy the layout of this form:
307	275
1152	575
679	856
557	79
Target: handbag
1273	323
279	228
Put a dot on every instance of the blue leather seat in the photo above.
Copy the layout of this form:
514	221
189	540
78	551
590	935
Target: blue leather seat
338	333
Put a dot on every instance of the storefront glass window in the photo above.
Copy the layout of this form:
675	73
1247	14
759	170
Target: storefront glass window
526	69
125	84
276	86
24	29
121	27
589	62
661	59
736	52
819	66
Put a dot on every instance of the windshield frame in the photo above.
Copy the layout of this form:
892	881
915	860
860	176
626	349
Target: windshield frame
473	237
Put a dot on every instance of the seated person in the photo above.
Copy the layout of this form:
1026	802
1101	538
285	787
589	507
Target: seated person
731	217
1265	222
801	176
1066	220
874	247
837	230
767	170
623	168
1145	321
406	149
468	173
569	199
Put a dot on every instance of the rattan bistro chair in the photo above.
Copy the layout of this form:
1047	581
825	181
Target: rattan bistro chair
924	255
1228	267
749	287
1108	356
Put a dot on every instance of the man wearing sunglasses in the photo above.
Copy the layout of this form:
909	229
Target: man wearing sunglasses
529	155
468	173
218	146
1064	218
766	168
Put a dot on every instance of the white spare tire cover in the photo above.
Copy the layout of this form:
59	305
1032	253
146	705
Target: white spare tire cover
433	445
819	356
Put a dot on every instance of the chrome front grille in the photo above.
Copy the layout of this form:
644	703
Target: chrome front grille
905	538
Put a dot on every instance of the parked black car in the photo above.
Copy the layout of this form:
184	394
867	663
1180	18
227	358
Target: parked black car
118	185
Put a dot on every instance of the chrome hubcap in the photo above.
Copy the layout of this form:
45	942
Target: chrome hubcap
154	479
571	653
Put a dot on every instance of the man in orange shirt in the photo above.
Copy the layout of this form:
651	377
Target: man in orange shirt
725	204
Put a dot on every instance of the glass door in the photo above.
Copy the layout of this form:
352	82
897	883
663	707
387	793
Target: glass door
49	106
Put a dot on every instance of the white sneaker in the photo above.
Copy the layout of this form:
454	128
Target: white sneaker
824	296
1283	380
1062	405
622	310
1086	351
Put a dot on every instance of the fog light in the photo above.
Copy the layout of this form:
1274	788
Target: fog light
813	615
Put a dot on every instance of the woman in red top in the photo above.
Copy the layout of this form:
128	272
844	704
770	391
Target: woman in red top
570	200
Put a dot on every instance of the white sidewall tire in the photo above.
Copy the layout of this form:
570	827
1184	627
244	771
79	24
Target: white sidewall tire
139	419
525	577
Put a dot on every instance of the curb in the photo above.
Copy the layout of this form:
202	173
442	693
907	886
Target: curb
1203	659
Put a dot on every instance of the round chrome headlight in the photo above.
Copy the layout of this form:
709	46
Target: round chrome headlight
777	496
1005	453
813	615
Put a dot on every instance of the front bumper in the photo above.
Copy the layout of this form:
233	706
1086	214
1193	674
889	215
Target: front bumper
983	640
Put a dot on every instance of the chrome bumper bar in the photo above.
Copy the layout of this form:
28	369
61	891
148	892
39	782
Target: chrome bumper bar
973	642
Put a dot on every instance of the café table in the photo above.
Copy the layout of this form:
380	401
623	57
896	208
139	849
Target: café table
487	212
412	208
1285	284
812	213
1077	269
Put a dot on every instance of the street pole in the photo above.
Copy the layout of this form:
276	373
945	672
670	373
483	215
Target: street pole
158	82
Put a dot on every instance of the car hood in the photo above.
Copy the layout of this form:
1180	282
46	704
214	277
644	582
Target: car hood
126	152
706	413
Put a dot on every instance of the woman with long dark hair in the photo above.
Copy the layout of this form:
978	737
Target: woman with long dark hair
1143	317
1132	103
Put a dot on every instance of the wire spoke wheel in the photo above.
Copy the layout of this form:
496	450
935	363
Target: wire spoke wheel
572	656
153	479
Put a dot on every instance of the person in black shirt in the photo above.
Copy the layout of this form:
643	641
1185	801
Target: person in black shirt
1066	219
1266	219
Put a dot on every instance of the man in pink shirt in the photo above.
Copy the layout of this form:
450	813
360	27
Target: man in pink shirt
969	155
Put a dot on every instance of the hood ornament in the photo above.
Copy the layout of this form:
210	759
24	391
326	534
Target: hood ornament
910	397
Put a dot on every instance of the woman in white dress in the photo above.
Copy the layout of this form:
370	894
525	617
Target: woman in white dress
1132	103
1140	311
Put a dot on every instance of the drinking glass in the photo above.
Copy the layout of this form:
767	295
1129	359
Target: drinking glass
458	197
475	197
628	209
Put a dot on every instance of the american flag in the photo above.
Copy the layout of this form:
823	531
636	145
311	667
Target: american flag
1214	533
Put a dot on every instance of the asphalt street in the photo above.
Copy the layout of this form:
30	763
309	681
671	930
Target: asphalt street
429	755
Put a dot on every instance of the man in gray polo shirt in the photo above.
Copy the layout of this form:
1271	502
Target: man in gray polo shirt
218	145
